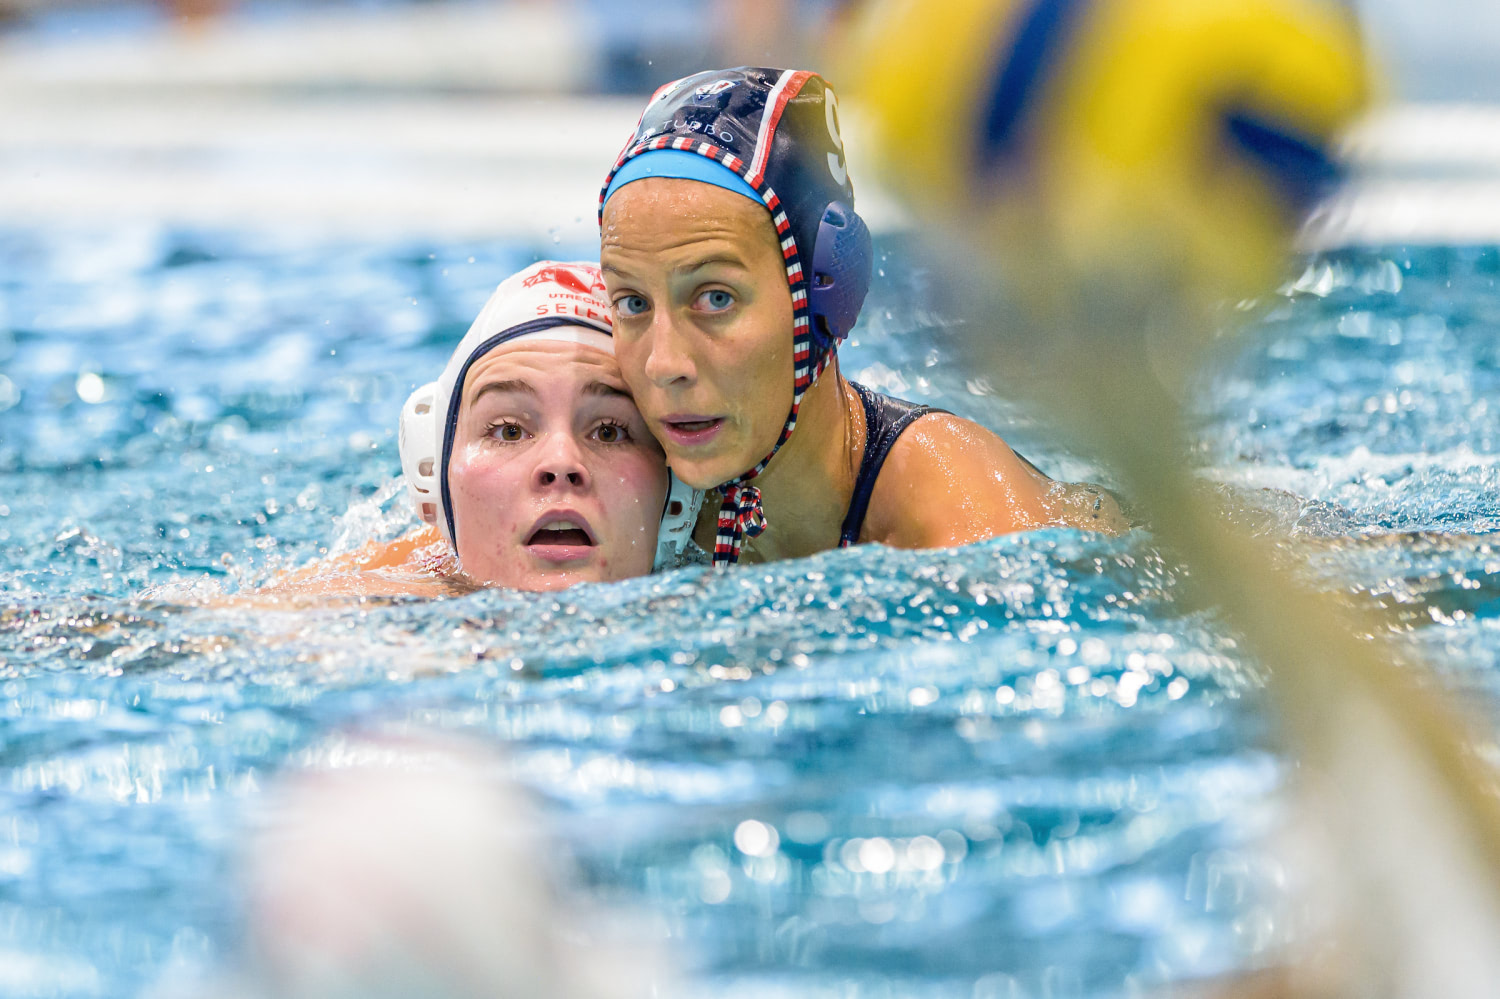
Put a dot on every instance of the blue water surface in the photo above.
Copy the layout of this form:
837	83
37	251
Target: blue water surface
1015	769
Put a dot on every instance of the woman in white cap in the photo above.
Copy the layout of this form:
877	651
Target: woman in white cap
527	458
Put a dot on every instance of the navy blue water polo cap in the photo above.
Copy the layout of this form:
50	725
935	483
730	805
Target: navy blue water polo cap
777	132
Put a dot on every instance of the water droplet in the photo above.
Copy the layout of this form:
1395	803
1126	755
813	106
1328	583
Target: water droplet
877	855
924	853
90	387
756	839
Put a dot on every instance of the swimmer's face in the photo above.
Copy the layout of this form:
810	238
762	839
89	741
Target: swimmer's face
554	478
703	322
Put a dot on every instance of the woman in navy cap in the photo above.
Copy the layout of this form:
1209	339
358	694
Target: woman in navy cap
734	265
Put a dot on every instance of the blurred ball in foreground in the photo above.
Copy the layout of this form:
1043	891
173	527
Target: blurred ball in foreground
1183	139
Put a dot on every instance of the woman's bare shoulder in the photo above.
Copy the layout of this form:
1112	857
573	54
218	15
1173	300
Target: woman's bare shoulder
949	481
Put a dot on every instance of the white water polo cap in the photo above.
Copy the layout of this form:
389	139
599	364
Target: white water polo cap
562	302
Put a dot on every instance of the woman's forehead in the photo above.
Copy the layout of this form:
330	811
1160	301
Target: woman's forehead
544	363
671	210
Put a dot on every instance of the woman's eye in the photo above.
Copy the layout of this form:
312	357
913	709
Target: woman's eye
612	433
631	305
716	300
509	432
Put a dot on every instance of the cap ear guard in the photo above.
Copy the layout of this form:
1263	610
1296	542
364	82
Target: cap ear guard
678	517
418	437
842	261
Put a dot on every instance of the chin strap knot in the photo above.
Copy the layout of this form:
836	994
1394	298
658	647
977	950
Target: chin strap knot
740	517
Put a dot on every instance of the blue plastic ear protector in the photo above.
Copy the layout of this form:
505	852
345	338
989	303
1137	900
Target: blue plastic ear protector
842	262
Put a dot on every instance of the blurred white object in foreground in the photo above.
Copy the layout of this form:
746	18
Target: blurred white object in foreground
415	871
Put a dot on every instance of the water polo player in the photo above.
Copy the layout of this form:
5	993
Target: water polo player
526	458
735	264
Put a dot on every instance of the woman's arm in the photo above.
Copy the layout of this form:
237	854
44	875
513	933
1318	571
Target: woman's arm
416	563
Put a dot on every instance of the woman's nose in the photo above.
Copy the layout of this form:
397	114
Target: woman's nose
560	463
667	361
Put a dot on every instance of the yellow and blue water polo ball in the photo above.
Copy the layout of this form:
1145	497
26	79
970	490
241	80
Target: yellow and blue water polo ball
1093	132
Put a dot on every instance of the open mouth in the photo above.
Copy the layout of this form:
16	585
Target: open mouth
562	536
561	532
690	430
567	536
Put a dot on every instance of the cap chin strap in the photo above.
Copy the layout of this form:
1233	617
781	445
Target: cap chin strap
740	517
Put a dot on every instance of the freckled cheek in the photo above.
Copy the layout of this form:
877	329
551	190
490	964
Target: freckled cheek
638	491
483	493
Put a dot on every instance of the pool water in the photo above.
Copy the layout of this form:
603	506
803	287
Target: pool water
1015	769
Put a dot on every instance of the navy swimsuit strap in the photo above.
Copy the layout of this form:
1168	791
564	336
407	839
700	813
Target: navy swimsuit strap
885	420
